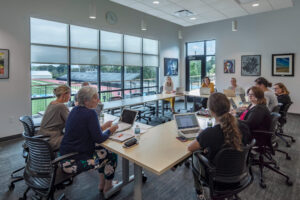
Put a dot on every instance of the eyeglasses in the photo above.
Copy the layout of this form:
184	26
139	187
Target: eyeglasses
250	95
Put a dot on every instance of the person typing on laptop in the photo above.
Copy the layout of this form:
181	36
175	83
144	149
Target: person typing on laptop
237	89
206	84
228	131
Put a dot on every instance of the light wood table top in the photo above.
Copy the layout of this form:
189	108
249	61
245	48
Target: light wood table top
158	149
137	100
195	93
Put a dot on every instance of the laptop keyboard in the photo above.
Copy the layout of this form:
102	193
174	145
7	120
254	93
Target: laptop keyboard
191	131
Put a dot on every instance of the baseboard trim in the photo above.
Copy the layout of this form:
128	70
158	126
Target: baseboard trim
12	137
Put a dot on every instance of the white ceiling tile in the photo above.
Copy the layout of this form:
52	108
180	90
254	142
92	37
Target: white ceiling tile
204	10
170	9
278	4
124	2
234	13
150	3
264	6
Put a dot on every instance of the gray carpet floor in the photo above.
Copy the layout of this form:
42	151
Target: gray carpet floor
175	185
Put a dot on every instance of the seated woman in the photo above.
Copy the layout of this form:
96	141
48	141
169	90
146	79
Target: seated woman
271	100
282	94
168	89
55	116
207	84
257	115
228	131
84	135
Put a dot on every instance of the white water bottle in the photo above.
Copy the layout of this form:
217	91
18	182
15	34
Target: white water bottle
209	123
137	132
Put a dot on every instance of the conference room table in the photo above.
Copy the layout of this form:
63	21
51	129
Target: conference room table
120	104
157	151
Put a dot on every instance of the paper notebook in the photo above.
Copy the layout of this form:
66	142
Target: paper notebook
125	135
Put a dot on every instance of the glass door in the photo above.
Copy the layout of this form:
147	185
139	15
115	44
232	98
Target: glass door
195	71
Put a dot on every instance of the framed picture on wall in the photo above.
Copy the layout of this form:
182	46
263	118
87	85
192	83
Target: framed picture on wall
283	64
170	66
251	65
4	63
229	66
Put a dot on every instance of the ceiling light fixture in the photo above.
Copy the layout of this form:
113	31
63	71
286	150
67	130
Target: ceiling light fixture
92	13
255	4
155	2
234	25
180	34
143	25
193	18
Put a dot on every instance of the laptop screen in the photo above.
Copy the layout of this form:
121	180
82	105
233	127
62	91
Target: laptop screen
128	116
186	121
234	106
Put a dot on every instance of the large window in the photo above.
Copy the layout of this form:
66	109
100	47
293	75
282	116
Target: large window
200	62
115	64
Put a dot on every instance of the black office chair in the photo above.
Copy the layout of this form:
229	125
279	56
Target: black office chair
115	98
276	109
42	172
281	122
142	109
29	130
229	174
265	147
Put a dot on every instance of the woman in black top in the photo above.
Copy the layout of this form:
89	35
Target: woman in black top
257	115
227	131
282	94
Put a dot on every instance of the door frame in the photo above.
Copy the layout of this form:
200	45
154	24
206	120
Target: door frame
187	69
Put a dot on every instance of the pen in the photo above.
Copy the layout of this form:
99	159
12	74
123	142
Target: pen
120	135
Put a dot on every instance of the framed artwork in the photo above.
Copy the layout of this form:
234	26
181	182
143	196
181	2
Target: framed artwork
283	64
229	66
251	65
4	63
170	66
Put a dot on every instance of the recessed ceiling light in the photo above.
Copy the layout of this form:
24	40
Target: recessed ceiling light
193	18
92	17
255	4
155	2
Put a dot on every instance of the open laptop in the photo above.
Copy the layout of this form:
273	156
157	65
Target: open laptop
179	90
127	119
187	125
233	104
204	91
229	93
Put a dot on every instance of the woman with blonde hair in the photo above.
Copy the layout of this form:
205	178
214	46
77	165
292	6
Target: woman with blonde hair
55	116
168	89
282	94
228	132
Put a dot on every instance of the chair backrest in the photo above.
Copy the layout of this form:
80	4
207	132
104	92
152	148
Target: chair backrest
161	89
232	165
276	109
274	121
284	109
115	98
39	172
135	95
28	125
151	93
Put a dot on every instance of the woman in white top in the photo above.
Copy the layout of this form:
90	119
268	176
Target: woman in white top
237	89
271	99
168	89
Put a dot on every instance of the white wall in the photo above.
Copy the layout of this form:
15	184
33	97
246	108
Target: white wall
265	34
14	35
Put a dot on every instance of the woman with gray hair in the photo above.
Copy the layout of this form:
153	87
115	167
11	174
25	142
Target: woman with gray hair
55	116
84	135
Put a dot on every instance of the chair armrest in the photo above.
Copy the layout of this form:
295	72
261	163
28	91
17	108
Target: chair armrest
204	161
60	158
